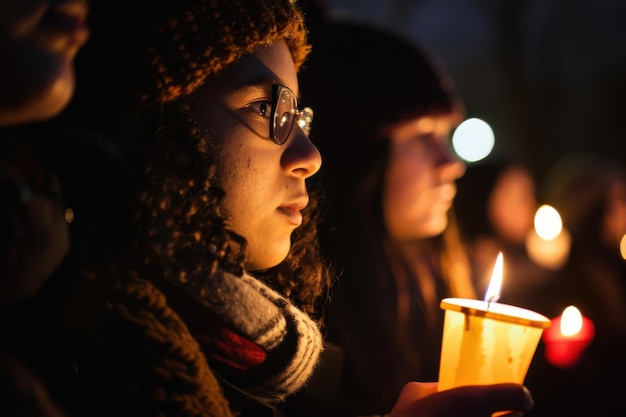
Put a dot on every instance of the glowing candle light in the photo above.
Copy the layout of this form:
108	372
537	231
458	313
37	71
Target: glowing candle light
568	338
486	342
548	243
548	223
571	321
495	283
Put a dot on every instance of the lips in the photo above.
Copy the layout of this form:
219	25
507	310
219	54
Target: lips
70	7
293	214
67	18
293	211
448	191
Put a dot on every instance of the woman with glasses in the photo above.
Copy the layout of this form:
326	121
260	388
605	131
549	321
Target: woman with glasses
200	289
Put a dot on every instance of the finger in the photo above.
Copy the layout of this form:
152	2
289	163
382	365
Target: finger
417	390
481	400
497	397
469	401
412	392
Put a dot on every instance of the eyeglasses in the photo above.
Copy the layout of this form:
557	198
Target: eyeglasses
285	113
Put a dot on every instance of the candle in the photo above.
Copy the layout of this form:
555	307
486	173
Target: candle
548	244
568	338
486	342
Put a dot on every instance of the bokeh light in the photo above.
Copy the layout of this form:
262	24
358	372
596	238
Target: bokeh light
473	140
571	321
548	223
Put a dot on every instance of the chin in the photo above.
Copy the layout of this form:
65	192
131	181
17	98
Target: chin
43	100
267	261
58	96
436	227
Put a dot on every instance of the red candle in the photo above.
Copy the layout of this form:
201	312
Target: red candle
567	338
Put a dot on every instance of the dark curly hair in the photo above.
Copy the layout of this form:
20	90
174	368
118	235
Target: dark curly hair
182	228
167	217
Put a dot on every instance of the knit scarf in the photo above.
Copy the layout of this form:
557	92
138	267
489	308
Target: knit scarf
252	336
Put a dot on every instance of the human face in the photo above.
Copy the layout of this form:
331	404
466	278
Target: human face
419	185
38	42
264	181
511	205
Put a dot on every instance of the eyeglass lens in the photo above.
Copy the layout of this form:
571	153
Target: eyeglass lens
284	114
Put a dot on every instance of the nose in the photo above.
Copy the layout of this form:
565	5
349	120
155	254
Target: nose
301	157
452	167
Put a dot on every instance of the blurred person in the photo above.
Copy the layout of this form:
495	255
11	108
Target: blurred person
384	113
590	193
496	205
39	40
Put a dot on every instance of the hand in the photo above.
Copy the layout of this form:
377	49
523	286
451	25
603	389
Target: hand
421	399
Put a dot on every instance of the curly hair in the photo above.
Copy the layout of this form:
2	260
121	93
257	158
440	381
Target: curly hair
171	220
182	229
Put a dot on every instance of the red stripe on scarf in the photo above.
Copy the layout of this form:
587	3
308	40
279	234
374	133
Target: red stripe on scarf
233	349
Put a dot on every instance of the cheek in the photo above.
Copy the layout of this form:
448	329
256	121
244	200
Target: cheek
406	181
234	176
401	198
412	206
244	175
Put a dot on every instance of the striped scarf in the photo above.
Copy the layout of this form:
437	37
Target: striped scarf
254	338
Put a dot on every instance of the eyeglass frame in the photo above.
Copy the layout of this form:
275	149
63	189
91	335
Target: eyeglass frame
304	116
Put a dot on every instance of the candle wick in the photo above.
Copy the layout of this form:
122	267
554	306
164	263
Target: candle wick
492	299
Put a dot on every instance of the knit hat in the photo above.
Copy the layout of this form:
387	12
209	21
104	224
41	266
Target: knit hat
226	31
209	36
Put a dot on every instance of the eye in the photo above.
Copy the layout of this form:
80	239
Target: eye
421	140
262	108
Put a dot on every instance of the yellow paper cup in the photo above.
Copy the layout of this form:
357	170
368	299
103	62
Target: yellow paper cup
487	343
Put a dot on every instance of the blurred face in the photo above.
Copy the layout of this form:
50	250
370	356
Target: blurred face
420	187
264	182
38	42
512	204
614	219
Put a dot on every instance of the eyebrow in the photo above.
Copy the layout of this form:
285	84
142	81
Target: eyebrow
263	82
251	86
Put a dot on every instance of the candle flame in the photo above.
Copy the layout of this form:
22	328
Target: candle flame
548	223
571	321
493	290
